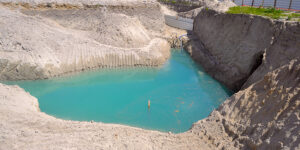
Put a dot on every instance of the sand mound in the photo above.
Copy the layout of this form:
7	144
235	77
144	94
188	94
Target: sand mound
39	42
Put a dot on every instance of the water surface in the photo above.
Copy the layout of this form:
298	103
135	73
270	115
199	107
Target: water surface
180	93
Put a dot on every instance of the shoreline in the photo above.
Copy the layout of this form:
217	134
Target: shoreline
30	108
262	114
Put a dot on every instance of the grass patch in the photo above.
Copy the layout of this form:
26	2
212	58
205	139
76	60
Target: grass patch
268	12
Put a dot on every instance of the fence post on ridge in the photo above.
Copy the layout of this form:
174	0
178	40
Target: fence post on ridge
275	2
290	4
252	3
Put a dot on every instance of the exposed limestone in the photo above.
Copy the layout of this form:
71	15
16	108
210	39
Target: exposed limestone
231	46
76	36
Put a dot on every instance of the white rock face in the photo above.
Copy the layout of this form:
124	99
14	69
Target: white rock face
41	40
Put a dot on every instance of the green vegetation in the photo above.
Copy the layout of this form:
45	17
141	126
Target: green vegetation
295	15
269	12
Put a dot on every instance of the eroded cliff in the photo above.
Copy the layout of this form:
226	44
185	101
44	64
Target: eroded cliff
231	46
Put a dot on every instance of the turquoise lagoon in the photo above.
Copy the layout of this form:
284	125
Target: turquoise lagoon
180	93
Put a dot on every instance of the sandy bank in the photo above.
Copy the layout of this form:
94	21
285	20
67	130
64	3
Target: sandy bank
76	36
23	126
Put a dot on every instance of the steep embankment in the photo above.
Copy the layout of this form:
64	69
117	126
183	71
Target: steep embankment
266	115
285	47
263	56
231	46
41	40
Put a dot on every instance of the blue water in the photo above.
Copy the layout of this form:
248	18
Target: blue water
180	92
